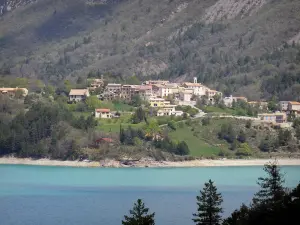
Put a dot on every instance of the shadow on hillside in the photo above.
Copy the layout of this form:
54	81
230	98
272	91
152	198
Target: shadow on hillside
77	18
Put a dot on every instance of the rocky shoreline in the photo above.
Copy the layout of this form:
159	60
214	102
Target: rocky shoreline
148	163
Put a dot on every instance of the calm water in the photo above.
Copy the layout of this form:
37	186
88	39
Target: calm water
34	195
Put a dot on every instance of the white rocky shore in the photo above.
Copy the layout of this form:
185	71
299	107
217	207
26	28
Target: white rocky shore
148	163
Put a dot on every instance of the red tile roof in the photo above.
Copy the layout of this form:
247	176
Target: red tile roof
103	110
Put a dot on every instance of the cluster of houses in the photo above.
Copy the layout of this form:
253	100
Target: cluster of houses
157	91
286	108
154	91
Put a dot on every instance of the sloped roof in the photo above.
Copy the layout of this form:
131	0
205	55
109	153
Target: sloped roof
210	90
115	85
5	90
295	103
102	110
78	91
192	84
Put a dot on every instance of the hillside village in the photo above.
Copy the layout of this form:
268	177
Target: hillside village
163	96
159	119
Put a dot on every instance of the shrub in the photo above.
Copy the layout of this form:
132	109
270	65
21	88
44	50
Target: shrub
242	137
205	121
248	124
244	150
172	125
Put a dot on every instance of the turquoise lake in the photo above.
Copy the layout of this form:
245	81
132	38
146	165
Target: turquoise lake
36	195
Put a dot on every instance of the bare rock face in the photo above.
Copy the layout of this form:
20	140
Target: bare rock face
230	9
9	5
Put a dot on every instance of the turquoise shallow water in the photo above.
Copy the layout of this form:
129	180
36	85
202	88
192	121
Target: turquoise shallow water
36	195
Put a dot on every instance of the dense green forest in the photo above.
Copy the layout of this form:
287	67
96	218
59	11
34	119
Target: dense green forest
42	129
46	124
273	204
246	47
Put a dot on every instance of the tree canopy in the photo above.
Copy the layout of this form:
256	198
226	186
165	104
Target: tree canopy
139	215
209	206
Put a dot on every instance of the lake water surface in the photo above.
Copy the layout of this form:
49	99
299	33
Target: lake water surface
40	195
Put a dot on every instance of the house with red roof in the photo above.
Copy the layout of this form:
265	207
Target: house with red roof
103	113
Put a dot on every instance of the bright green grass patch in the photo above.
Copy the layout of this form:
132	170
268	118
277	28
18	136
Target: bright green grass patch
197	146
214	109
122	107
229	111
115	127
116	106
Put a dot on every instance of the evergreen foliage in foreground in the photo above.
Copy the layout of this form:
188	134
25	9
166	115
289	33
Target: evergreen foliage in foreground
209	206
272	205
271	187
139	215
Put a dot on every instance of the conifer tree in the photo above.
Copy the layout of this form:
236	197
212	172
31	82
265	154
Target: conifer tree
122	135
209	206
238	217
139	215
271	187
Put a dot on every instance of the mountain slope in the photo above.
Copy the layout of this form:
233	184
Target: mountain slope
227	44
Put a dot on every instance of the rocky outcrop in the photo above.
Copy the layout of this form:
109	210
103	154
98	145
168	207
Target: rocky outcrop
9	5
230	9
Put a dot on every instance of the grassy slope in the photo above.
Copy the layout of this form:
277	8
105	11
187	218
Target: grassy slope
197	146
203	140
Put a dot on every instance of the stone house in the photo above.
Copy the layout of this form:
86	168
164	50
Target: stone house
160	90
127	91
145	91
158	102
77	95
283	105
114	88
198	89
185	95
211	93
277	117
294	108
96	83
229	100
169	111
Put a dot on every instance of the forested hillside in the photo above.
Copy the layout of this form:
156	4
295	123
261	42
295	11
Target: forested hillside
248	47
